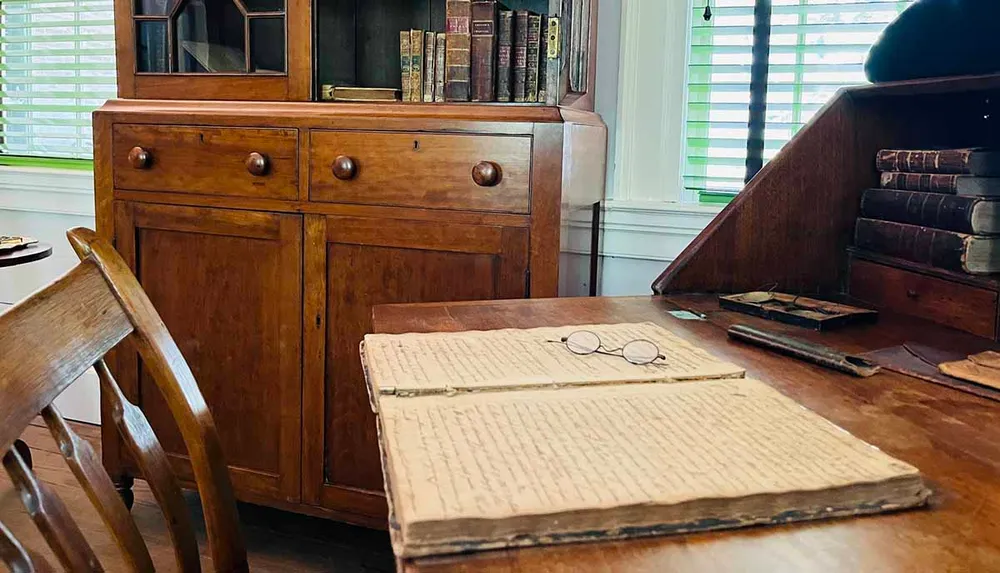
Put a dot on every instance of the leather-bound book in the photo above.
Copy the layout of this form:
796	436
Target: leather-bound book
416	65
458	71
439	62
520	55
404	62
505	47
484	40
543	61
972	161
534	55
430	43
966	185
972	215
938	248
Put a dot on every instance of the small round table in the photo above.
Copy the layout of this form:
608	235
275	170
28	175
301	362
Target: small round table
28	254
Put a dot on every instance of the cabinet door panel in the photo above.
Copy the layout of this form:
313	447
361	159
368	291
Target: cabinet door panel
228	287
359	263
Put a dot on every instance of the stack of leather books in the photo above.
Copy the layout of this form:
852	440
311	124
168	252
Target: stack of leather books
935	207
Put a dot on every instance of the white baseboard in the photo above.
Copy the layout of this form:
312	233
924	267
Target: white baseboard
39	190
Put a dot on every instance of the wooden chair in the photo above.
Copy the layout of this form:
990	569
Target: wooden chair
49	340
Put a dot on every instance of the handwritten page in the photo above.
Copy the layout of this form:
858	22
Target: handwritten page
491	456
407	364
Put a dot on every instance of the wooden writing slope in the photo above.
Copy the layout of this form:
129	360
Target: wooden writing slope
792	225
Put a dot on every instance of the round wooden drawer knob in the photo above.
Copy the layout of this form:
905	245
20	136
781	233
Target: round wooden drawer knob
139	158
257	164
487	174
344	168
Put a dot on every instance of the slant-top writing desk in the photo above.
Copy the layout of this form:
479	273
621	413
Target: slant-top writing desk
952	437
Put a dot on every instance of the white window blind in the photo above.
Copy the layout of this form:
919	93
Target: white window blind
815	48
57	64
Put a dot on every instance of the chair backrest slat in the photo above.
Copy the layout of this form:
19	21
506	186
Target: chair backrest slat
51	517
155	466
86	466
51	339
162	358
17	558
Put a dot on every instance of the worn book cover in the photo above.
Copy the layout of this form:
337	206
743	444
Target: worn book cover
484	41
534	57
439	63
458	74
973	215
938	248
404	63
416	65
430	44
966	185
972	161
524	464
505	47
520	80
543	61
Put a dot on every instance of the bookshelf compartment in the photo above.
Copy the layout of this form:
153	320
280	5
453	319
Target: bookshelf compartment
357	41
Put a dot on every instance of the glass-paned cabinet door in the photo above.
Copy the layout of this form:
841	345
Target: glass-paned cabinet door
210	36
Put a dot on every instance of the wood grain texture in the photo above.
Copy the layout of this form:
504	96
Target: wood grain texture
963	307
207	160
363	262
421	170
950	436
245	353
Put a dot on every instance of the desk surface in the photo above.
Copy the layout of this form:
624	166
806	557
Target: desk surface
953	437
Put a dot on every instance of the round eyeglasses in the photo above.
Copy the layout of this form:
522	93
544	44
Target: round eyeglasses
639	352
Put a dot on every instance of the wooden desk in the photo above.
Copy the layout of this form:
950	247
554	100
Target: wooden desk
954	438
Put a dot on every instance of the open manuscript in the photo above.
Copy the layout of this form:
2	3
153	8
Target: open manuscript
502	438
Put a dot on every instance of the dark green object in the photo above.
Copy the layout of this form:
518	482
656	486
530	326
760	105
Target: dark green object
938	38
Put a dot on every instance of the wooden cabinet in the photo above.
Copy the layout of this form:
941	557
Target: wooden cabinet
267	280
352	264
228	285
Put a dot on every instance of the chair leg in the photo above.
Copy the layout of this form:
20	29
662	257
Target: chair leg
123	485
22	448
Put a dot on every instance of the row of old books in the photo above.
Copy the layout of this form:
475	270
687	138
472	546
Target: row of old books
939	208
487	54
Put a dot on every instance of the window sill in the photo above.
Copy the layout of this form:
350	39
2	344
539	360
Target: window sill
47	190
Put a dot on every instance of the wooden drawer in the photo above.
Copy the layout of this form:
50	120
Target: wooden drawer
207	160
433	171
950	303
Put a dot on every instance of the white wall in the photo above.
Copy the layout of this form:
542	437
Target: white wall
44	204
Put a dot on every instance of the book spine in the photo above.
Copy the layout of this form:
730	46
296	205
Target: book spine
439	70
458	18
404	62
948	212
520	55
930	182
543	61
954	161
416	65
575	52
430	43
534	54
483	49
505	46
933	247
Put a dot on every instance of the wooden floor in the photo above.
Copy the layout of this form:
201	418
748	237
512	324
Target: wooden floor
276	540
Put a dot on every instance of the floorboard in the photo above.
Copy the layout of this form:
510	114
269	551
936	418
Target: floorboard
277	541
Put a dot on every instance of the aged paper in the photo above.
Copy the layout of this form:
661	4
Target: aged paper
494	456
512	358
